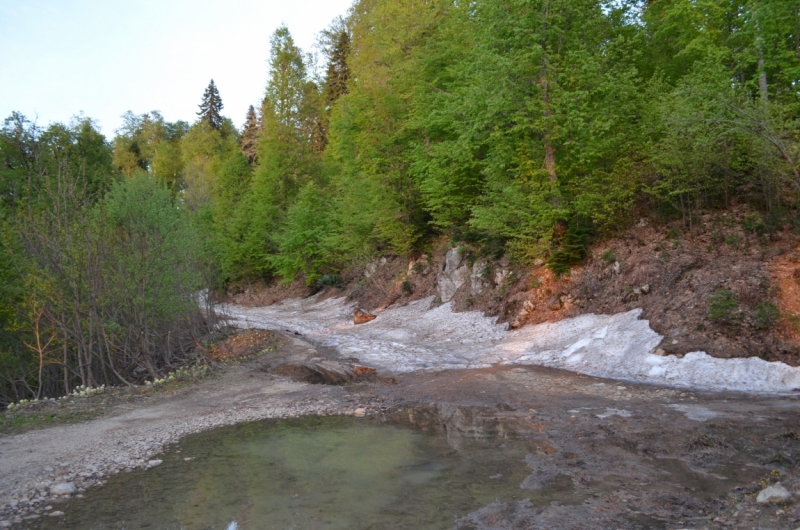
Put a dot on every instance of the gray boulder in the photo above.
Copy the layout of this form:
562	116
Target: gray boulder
774	493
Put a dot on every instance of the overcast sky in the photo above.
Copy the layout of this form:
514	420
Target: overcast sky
103	57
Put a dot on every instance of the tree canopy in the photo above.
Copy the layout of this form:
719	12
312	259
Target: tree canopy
530	125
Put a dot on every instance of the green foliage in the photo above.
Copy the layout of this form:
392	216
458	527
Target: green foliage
330	280
211	107
491	121
573	247
766	315
609	256
152	253
301	242
723	306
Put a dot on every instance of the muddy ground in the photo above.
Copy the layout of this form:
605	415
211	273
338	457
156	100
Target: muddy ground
618	455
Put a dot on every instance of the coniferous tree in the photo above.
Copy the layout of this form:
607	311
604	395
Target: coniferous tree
250	135
211	106
338	72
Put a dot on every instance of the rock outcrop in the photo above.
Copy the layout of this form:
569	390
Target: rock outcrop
455	274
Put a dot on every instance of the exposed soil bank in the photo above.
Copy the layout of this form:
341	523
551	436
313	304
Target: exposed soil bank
668	272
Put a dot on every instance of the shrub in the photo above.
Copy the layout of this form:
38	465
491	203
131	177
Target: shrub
723	306
573	247
330	280
766	315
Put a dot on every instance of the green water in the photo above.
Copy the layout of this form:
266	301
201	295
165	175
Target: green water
310	473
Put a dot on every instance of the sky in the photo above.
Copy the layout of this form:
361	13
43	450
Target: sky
60	58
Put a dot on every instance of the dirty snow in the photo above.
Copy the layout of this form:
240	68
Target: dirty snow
412	337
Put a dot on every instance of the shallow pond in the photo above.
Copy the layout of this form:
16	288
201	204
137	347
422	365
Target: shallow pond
309	473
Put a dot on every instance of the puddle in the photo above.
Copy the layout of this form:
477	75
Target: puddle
315	473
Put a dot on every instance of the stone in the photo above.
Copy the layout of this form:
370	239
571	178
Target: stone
56	513
774	493
660	352
555	303
370	269
645	288
359	413
500	276
154	463
63	488
454	275
362	317
361	370
616	268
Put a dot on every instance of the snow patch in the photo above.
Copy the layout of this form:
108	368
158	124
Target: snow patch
412	337
614	412
696	412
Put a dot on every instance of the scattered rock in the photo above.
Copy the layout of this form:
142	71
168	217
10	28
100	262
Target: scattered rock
774	493
64	488
154	463
645	288
359	413
362	317
56	513
660	352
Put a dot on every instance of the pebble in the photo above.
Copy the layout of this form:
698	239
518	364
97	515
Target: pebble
774	493
64	488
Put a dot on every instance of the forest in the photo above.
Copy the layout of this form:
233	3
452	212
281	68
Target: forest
524	127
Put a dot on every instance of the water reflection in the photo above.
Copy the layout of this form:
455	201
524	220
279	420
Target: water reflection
315	473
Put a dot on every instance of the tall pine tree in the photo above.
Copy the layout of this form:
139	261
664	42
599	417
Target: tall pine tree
211	106
338	71
250	135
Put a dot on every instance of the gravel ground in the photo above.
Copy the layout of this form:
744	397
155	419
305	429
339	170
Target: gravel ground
36	466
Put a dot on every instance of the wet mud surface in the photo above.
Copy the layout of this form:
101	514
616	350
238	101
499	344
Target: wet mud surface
627	456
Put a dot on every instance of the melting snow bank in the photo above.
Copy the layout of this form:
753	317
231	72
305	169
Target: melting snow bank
411	337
